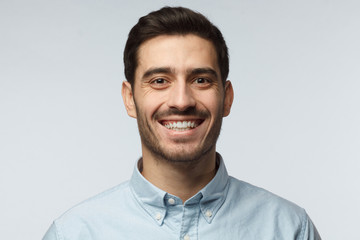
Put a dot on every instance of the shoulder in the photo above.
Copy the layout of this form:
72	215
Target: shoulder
256	213
77	221
261	205
110	197
248	193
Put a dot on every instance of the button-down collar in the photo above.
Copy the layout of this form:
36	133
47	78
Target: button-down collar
136	210
156	201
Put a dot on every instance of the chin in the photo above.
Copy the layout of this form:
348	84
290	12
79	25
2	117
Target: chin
184	154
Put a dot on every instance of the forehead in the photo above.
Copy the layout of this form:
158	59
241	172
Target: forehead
179	52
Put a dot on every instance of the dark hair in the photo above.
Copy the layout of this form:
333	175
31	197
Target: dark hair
173	21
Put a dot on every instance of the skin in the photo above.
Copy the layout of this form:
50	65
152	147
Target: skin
178	79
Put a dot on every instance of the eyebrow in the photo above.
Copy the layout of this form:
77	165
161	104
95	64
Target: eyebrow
196	71
168	70
153	71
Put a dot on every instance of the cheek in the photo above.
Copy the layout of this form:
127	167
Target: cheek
146	99
216	107
150	105
212	102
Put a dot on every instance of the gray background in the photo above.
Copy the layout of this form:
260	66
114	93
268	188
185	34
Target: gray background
294	127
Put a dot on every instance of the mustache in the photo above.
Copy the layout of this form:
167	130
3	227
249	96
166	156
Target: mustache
187	112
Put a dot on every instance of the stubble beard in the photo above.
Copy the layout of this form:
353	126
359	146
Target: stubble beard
182	153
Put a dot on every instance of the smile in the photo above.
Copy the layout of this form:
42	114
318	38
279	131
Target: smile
181	125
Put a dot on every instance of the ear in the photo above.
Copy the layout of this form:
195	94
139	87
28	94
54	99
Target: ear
229	97
128	99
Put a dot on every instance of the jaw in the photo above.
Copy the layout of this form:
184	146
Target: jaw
183	144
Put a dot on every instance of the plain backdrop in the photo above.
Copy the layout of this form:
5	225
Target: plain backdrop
294	126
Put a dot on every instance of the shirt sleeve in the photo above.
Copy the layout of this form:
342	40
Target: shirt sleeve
309	231
51	234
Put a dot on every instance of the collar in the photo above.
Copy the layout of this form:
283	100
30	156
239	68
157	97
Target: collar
156	201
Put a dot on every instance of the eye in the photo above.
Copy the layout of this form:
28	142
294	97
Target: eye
202	81
159	83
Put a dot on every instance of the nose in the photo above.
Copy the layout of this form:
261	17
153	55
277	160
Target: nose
181	96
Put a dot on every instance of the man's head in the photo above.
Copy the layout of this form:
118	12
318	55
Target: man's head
173	21
177	92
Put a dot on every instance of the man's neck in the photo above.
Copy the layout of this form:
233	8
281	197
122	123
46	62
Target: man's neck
180	179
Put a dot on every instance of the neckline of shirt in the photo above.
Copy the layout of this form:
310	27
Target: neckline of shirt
156	201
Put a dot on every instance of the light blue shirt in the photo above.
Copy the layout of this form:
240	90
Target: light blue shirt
225	209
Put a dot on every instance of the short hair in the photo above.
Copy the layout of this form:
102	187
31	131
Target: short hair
173	21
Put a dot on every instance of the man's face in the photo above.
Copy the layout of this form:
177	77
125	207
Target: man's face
179	97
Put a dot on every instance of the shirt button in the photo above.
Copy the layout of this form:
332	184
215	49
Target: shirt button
208	213
171	201
158	216
186	237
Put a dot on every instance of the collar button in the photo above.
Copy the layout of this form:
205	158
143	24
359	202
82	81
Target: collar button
171	201
158	216
208	213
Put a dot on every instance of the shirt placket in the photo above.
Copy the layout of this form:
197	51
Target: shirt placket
190	222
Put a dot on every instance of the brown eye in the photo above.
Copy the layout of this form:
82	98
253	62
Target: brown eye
159	81
201	80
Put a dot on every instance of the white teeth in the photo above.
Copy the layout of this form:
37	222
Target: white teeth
181	125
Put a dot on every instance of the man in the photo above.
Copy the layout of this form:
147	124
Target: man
176	66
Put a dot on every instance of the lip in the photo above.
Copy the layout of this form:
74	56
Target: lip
167	121
186	132
179	118
173	120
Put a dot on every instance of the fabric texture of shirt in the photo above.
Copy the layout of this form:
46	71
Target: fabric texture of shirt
226	209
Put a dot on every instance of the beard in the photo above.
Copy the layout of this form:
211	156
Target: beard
183	152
